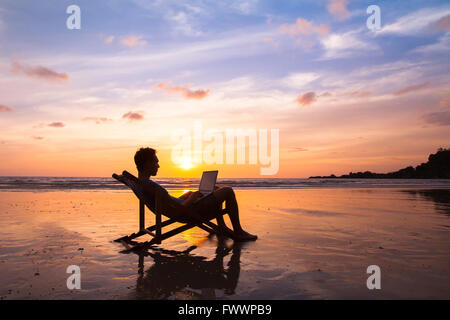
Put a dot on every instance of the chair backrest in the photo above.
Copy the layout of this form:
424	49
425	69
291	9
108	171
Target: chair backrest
163	205
138	192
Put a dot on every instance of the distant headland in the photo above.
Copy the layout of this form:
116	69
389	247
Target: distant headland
437	167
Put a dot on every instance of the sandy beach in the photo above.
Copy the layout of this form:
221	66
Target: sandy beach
314	243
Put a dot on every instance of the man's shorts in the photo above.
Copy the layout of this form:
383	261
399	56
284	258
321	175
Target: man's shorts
208	207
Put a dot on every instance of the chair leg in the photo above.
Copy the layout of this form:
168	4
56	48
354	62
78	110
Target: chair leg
158	228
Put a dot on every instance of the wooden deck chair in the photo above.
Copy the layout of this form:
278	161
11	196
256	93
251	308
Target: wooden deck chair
164	206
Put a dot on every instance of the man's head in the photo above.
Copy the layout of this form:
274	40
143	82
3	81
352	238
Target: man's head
146	161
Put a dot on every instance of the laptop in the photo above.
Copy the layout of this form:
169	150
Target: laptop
207	183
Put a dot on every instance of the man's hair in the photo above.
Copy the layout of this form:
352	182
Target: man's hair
142	156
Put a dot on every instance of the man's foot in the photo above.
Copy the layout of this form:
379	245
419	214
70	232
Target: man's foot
245	236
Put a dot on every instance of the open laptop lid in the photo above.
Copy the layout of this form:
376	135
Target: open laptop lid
208	181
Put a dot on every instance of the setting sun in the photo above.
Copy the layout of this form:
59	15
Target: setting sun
186	163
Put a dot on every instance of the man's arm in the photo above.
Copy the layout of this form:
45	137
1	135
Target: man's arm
186	195
193	196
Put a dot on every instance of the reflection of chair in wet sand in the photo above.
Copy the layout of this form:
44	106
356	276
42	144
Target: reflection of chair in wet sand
167	207
184	275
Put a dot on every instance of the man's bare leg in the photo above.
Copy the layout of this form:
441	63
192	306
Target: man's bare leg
227	194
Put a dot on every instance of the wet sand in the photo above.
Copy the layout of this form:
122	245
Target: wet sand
313	244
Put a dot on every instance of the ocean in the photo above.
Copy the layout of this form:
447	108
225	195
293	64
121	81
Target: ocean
11	183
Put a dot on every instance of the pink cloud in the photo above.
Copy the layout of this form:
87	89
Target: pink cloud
132	41
412	88
445	103
338	8
4	108
441	24
39	72
184	90
56	124
97	120
307	98
133	116
303	27
37	138
440	118
360	94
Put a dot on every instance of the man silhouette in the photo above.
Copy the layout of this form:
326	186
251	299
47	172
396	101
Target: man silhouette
147	164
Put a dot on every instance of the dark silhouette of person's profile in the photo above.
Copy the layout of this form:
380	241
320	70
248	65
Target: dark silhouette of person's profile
180	274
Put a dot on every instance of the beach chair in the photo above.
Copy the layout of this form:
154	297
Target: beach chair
164	206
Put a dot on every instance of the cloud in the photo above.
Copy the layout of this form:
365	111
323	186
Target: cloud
4	108
132	41
39	72
338	8
416	22
56	125
345	45
184	90
109	39
441	24
37	138
307	98
299	79
412	88
97	120
245	6
359	94
133	116
182	24
440	118
297	149
443	45
303	27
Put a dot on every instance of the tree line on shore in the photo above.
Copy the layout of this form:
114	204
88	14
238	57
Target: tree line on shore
437	167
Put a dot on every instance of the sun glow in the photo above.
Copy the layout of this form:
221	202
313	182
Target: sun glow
186	163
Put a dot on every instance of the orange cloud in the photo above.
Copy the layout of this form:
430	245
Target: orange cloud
307	98
4	108
133	41
97	120
441	24
412	88
109	39
338	8
37	137
56	124
184	90
39	72
304	27
133	116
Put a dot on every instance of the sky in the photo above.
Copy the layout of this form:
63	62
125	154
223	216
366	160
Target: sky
342	97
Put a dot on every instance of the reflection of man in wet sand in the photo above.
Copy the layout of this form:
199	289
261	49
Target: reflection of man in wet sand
177	272
147	165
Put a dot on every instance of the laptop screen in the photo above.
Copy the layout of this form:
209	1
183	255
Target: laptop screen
208	181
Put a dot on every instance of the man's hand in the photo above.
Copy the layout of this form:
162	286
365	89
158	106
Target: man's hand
196	195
